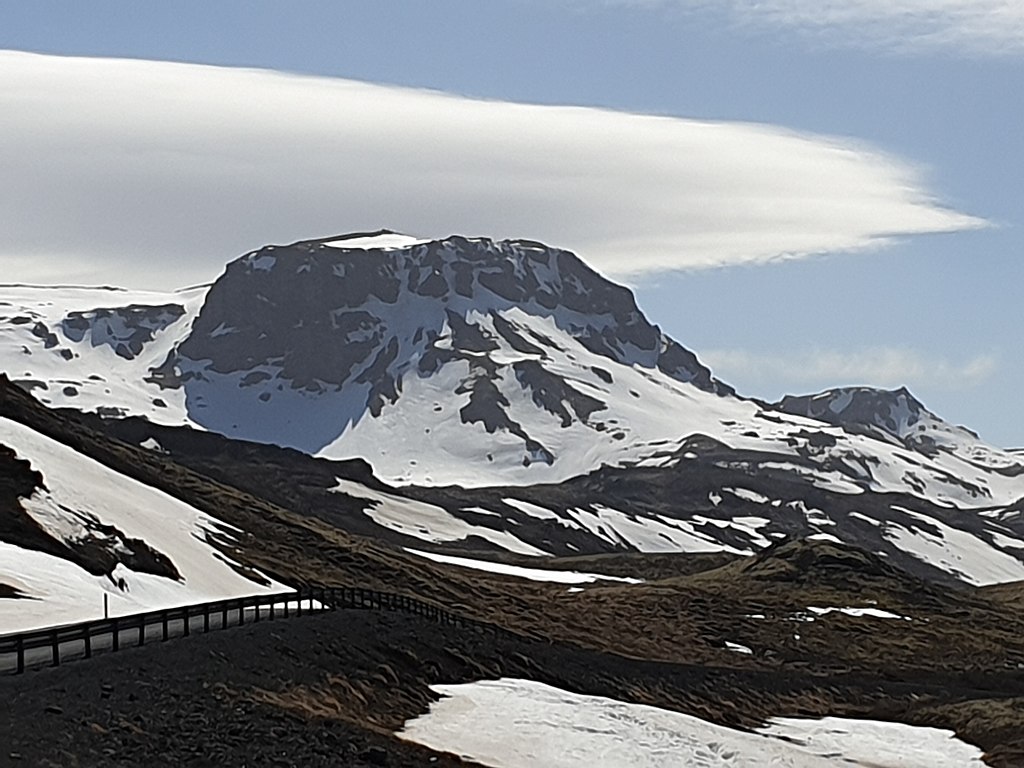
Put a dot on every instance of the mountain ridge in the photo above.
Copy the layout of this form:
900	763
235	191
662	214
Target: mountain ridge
507	398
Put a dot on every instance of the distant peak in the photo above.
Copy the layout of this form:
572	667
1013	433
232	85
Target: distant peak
895	412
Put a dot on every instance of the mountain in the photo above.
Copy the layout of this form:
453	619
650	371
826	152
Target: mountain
498	358
506	398
153	514
93	348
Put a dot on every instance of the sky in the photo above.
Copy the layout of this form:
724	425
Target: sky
807	194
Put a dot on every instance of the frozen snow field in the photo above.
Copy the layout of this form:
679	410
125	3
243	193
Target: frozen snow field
512	723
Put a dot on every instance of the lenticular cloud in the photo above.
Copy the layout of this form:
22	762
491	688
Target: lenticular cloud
155	173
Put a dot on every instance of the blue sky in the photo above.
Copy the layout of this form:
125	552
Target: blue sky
941	94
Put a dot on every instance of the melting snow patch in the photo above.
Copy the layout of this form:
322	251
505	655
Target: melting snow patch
824	537
151	444
875	613
870	742
747	495
737	648
512	723
533	510
427	521
533	574
954	551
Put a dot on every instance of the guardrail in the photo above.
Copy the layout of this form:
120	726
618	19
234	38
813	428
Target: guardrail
54	645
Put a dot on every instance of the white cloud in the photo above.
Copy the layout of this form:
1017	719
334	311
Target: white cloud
977	27
154	174
886	367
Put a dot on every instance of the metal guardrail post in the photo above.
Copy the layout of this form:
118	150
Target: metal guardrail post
115	635
87	637
56	648
188	620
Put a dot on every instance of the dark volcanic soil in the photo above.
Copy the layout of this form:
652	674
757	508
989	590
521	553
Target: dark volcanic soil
329	690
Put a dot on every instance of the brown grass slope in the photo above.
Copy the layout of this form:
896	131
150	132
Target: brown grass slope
955	662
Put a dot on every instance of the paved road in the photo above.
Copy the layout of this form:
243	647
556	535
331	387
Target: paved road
154	633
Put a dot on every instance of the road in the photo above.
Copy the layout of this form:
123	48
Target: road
127	636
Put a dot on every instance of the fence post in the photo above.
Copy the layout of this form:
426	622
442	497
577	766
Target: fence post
87	637
188	620
56	648
298	609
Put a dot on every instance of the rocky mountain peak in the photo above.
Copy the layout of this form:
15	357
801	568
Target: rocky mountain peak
297	344
894	413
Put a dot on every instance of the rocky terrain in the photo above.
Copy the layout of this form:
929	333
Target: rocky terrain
503	397
480	425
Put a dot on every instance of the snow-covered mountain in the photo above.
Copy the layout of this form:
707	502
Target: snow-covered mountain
93	348
507	367
495	361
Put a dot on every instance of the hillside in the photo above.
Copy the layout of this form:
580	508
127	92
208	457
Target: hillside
852	634
476	395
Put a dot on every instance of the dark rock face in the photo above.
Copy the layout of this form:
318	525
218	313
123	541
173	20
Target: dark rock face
888	414
306	306
318	321
891	410
125	329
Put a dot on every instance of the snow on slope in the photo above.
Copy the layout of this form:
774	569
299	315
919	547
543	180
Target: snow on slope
474	362
82	498
496	362
520	572
512	723
507	362
428	522
93	348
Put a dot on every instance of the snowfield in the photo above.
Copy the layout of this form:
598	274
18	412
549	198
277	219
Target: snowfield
506	364
65	340
81	496
511	723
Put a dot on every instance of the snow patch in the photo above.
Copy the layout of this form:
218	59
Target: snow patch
533	574
513	723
